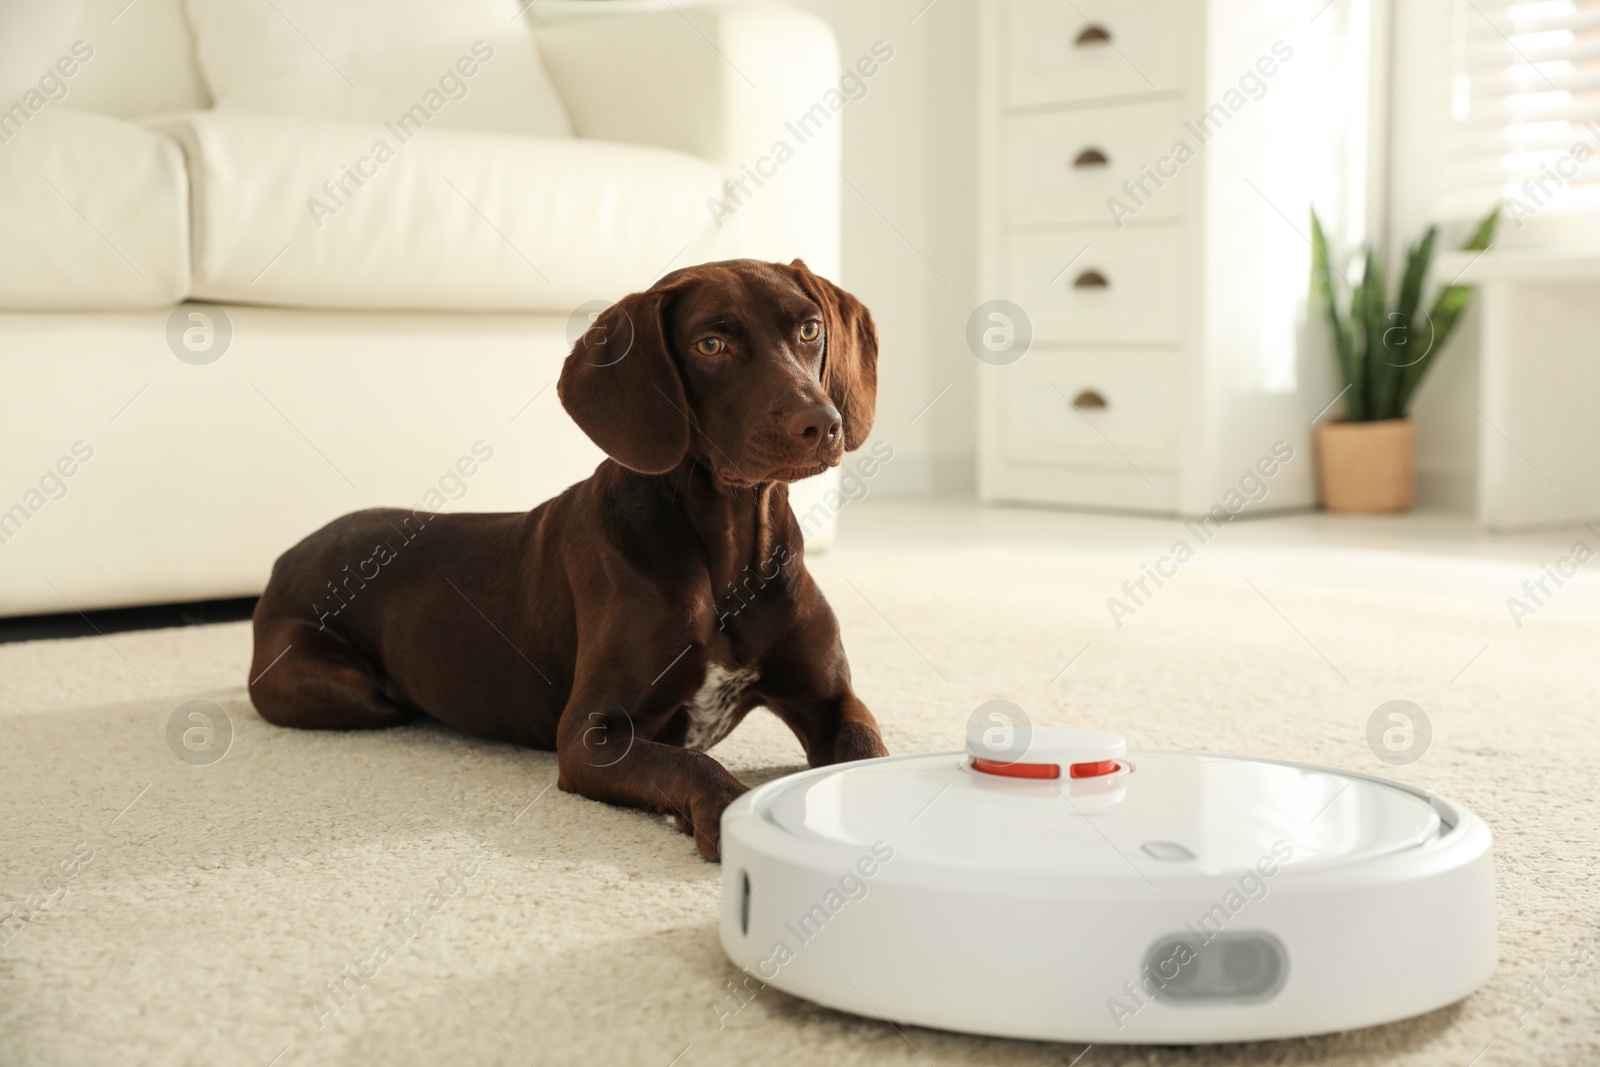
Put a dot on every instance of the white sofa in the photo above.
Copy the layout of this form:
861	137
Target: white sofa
224	320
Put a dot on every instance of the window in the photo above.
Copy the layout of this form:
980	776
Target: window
1524	107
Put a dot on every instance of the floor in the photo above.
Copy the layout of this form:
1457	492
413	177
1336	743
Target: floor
1423	551
213	911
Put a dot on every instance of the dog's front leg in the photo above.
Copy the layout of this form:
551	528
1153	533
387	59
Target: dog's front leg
836	728
810	691
806	682
601	755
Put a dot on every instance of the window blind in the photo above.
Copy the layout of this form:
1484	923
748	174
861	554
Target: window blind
1524	115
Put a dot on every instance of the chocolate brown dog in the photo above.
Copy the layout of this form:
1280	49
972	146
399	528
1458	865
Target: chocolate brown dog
631	622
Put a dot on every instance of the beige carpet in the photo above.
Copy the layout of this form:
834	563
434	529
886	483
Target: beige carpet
216	902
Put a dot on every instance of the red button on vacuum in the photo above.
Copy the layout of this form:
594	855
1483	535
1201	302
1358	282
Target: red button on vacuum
1093	770
1018	770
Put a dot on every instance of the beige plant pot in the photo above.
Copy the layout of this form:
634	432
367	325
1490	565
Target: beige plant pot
1367	467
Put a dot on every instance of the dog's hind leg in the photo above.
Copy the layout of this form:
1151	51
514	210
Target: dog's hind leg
312	679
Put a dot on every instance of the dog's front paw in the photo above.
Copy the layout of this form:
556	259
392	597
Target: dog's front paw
705	819
858	741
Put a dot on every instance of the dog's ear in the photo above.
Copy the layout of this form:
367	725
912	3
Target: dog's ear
621	385
850	354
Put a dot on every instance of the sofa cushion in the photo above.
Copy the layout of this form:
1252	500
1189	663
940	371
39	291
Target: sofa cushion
94	214
314	213
143	62
468	64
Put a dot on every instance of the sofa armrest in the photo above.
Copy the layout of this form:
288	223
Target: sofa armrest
750	88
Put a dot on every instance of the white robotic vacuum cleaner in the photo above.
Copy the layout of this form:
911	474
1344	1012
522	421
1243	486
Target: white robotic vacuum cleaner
1057	886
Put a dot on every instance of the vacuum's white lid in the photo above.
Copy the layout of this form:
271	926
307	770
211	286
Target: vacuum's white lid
1103	811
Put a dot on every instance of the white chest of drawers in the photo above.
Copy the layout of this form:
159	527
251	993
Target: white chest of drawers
1145	173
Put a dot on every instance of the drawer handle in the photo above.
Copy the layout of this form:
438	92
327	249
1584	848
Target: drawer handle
1089	400
1091	279
1091	157
1092	35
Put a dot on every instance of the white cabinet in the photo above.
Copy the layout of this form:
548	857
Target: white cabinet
1062	167
1124	407
1127	289
1146	171
1055	53
1538	384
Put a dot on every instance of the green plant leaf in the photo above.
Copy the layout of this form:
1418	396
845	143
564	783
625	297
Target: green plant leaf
1356	398
1409	337
1378	371
1322	272
1484	233
1448	307
1418	257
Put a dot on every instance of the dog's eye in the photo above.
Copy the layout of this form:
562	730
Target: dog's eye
810	331
709	346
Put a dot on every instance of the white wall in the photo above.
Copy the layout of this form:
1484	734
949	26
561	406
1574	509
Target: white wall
1447	425
910	230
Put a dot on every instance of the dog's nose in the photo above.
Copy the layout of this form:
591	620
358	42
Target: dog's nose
817	424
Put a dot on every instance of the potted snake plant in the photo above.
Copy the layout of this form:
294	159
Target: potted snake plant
1366	461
